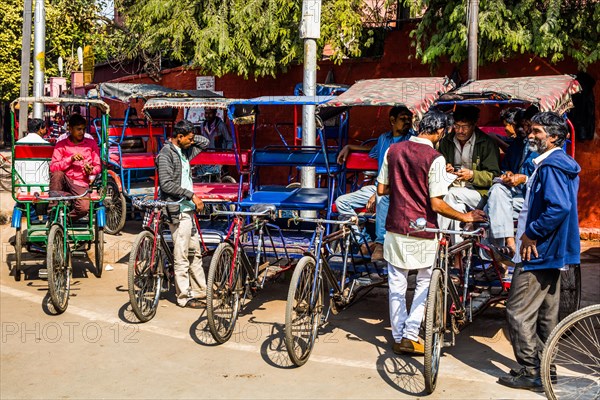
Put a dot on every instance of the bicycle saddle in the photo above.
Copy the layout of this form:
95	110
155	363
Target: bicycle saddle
263	208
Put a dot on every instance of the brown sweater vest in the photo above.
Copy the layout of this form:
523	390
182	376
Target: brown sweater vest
408	174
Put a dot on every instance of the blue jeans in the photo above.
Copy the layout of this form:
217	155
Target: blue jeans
503	206
347	203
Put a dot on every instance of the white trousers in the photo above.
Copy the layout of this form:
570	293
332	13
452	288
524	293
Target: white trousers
404	324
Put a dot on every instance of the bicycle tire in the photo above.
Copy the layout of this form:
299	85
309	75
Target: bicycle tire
115	205
573	348
143	277
59	271
434	330
98	250
303	316
16	270
223	301
570	291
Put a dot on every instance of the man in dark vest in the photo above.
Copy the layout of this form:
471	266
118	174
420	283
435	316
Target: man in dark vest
414	175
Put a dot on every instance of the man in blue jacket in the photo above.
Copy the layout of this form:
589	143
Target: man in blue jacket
547	240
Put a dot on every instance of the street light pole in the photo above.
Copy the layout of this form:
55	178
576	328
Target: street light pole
39	59
472	47
310	31
25	60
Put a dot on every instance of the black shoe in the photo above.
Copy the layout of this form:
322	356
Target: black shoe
553	378
522	381
193	303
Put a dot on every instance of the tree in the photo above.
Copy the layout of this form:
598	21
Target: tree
258	37
550	29
69	24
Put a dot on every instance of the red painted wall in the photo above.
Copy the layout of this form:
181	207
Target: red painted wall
367	122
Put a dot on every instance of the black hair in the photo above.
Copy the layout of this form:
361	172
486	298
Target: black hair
554	125
434	120
466	114
512	116
76	120
530	112
34	124
397	110
183	127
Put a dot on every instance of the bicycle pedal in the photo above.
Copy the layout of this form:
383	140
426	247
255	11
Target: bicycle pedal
43	273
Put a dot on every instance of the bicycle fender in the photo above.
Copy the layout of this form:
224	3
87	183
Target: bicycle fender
15	222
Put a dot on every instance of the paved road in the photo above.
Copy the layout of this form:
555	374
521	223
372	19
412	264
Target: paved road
96	350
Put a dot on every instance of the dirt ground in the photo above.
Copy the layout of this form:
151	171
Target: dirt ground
97	350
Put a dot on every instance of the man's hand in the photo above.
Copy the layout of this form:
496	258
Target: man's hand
511	180
88	168
464	174
450	168
343	154
371	203
474	216
77	157
198	203
528	248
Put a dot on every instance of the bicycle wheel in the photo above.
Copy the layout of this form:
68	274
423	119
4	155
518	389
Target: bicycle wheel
18	255
570	291
98	250
303	311
224	288
143	279
434	329
572	354
59	270
116	208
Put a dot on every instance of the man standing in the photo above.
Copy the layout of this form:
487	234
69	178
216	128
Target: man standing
474	157
175	182
401	122
413	175
547	240
74	161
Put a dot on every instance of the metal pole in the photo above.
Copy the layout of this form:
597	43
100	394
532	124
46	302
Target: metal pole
39	59
472	48
25	60
310	30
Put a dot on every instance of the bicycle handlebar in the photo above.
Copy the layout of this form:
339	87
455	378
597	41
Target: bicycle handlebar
62	198
145	203
350	221
418	227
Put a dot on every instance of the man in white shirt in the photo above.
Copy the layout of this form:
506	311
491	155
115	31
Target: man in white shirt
414	175
36	130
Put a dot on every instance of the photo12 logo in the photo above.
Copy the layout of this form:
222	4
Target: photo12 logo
68	332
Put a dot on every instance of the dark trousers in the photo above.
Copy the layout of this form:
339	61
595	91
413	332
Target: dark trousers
532	313
59	182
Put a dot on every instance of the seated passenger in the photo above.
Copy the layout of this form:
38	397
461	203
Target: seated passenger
506	196
36	129
401	121
215	130
75	161
474	158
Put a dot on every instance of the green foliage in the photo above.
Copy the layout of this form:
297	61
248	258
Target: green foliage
550	29
69	24
244	37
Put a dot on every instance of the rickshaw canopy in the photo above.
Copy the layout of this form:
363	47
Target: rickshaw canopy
548	93
105	108
415	93
125	92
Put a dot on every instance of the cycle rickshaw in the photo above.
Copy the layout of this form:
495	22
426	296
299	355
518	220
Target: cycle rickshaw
59	238
459	290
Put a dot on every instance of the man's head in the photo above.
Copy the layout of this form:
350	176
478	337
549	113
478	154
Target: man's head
183	134
76	126
511	118
548	130
525	124
401	120
210	114
434	125
36	125
465	120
